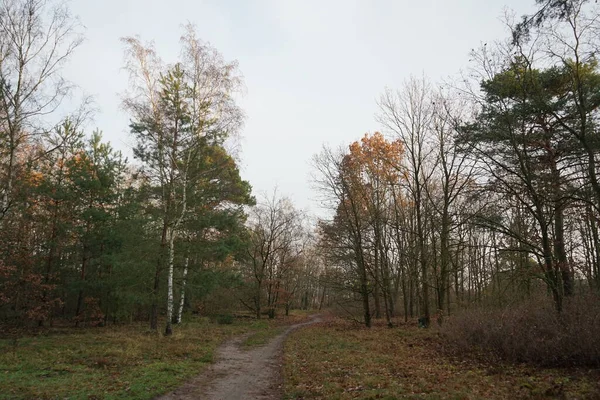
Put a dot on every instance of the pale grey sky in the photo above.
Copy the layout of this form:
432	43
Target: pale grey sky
313	69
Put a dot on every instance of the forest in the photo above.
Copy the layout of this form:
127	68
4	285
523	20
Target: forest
472	210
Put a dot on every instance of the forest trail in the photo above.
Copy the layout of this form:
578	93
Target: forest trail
241	374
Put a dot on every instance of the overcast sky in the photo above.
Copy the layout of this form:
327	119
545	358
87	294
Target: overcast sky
313	69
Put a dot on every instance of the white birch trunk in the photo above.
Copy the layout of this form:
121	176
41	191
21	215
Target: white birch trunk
182	297
169	328
170	300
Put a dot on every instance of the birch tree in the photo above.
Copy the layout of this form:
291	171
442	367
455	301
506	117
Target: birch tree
178	113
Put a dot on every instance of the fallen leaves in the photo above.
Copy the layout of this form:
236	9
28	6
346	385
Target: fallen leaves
337	360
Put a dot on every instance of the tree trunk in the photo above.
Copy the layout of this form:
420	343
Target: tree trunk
80	294
444	283
364	284
425	315
376	299
596	251
182	295
170	301
155	287
322	298
6	198
257	298
560	253
550	272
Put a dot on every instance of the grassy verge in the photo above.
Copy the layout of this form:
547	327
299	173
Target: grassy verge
271	328
352	362
262	336
111	363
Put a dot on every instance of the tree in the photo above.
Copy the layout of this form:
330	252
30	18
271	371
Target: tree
179	115
277	241
453	174
375	167
525	151
408	114
96	172
214	230
345	236
36	38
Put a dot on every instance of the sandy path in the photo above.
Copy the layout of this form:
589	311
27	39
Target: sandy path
240	374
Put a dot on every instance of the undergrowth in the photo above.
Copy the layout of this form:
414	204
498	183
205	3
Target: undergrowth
342	360
532	332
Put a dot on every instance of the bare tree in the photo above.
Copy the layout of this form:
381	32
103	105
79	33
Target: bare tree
277	240
408	114
453	174
37	37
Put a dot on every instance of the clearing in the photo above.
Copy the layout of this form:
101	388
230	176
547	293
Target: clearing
328	358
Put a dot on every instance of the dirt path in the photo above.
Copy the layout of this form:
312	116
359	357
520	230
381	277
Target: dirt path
240	374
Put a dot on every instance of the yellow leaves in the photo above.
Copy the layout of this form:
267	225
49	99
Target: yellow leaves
372	170
376	158
35	178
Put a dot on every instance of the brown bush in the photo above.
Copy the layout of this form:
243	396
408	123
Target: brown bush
532	332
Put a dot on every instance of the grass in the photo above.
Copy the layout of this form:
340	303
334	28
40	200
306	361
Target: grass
112	363
274	327
262	337
352	362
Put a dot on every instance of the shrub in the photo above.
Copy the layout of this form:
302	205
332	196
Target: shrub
532	332
224	319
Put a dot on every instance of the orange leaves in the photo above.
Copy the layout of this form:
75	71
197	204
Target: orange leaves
377	158
372	170
32	178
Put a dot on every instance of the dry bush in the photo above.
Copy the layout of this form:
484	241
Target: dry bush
532	332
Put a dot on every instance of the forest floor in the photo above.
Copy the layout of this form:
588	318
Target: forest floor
120	362
339	359
329	358
246	369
